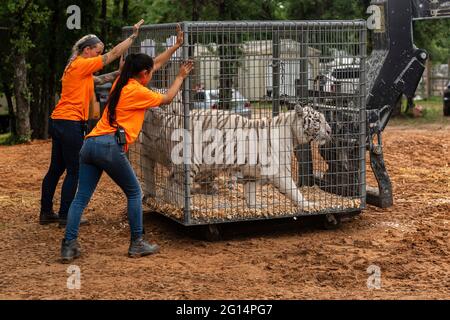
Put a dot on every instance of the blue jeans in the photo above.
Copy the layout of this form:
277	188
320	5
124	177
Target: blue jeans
67	139
100	154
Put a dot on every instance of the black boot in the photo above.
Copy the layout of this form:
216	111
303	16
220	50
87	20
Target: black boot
69	250
48	217
63	221
139	248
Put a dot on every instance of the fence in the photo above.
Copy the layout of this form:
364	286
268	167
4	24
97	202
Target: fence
434	81
270	124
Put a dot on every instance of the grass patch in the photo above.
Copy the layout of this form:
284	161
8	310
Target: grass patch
5	138
9	139
432	113
3	110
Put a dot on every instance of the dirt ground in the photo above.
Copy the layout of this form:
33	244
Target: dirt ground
408	242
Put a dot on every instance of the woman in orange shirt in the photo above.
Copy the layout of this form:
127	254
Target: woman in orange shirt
103	151
67	125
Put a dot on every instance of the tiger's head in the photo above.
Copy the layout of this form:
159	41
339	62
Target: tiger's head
311	125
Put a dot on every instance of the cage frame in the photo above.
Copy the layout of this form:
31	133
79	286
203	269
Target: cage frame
257	25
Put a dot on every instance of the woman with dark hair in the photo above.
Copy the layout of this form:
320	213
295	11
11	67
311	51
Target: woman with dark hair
104	149
68	121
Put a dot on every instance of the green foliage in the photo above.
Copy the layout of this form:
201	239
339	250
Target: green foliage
161	11
325	9
20	16
5	138
8	139
432	113
434	37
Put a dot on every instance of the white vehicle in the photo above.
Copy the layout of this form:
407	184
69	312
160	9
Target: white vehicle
209	99
342	79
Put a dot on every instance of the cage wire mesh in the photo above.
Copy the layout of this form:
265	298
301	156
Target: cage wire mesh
248	136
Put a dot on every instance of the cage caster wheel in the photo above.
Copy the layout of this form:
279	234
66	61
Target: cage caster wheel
331	222
211	232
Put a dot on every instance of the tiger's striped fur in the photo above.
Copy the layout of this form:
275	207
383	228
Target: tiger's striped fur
299	126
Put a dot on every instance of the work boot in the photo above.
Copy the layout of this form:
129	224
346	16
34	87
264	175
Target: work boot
63	221
69	250
139	248
48	217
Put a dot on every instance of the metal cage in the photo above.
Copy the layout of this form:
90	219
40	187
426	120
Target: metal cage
262	95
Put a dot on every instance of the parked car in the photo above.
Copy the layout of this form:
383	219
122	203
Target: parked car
342	79
209	99
447	100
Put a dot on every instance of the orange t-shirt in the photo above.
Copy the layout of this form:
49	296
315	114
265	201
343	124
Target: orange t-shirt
130	111
77	89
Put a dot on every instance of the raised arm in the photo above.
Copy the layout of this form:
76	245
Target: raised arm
109	77
161	59
185	69
105	78
120	49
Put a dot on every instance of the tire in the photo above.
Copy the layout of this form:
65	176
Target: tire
331	222
211	233
447	109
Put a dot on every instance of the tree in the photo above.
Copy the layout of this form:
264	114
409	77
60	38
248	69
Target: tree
437	45
6	72
161	11
326	9
125	10
20	17
52	47
103	20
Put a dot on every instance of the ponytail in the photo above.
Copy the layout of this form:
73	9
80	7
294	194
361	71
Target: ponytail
134	63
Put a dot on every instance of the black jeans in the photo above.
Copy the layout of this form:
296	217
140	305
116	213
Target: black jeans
67	139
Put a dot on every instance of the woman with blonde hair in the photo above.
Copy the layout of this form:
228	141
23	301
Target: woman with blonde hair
104	149
68	121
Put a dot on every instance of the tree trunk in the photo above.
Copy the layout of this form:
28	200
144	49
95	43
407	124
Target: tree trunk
50	100
11	112
222	8
22	102
39	107
195	10
42	82
103	21
125	10
49	95
35	103
116	9
266	10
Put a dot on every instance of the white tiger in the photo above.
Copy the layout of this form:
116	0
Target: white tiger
299	126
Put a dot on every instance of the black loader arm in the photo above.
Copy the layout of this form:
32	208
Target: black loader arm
394	68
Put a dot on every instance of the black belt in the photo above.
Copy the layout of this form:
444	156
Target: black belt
71	121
